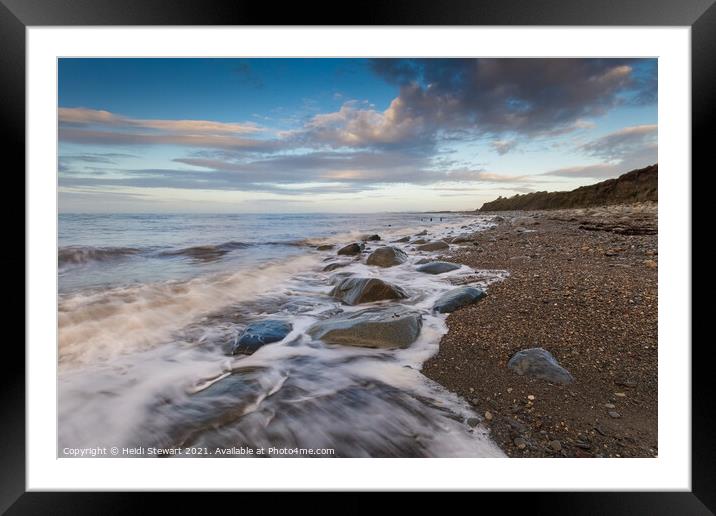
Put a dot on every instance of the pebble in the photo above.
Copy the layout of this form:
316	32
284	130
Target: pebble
473	422
520	443
620	394
650	263
555	446
488	415
531	397
614	414
609	405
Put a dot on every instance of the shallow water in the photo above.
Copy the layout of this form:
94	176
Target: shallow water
144	339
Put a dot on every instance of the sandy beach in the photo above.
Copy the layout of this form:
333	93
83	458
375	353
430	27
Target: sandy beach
583	286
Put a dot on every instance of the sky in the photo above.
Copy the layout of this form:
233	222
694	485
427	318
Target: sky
344	135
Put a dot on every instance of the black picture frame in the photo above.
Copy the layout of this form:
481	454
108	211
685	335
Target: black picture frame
17	15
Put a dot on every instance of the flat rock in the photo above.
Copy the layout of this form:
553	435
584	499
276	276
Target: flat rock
259	333
434	246
334	266
387	257
438	267
352	249
539	363
458	297
371	328
354	291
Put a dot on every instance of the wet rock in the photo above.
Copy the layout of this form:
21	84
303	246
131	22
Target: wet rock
371	328
338	277
438	267
402	240
354	291
438	245
352	249
325	247
473	422
333	266
423	260
422	233
456	298
539	363
387	257
420	241
259	333
371	238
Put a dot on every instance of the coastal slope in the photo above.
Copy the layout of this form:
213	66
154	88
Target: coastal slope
638	185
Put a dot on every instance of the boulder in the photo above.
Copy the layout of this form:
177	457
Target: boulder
259	333
434	246
458	297
387	257
372	328
539	363
438	267
354	291
352	249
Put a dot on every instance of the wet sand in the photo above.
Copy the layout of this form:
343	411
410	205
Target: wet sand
582	285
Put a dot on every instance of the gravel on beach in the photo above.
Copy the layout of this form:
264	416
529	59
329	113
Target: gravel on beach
582	284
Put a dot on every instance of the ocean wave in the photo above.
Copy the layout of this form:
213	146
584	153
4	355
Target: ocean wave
77	255
101	324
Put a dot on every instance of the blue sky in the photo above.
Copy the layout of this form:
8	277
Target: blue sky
348	135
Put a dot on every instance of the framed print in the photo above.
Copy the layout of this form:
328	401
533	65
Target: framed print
420	251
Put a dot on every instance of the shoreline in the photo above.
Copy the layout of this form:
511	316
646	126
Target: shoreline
582	285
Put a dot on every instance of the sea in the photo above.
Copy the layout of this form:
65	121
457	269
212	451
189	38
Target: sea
151	305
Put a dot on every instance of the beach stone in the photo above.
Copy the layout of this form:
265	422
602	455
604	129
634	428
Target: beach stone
402	240
437	267
520	443
333	266
539	363
387	257
434	246
420	241
354	291
370	238
614	414
422	233
351	249
473	422
338	277
555	445
371	328
325	247
259	333
456	298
